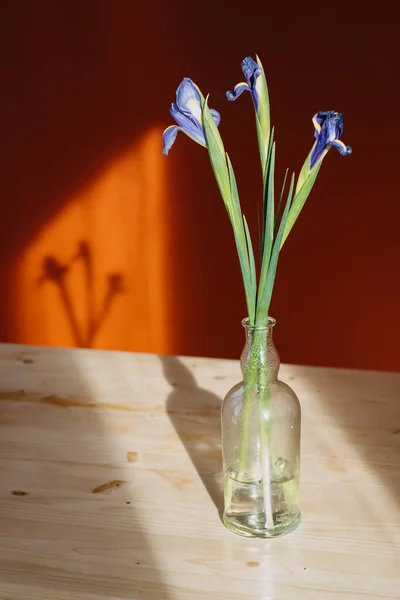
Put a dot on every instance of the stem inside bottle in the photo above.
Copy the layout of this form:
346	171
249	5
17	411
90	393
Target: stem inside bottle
261	445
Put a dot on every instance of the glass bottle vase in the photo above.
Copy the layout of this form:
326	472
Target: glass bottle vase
261	420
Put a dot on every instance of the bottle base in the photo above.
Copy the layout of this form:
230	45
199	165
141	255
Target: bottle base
254	525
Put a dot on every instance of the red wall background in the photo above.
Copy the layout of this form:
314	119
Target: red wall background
106	243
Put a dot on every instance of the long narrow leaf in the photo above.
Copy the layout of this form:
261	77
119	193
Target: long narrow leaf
263	111
304	185
268	161
253	274
245	257
266	173
278	210
304	173
259	228
275	252
226	181
299	201
270	206
261	146
268	239
305	170
217	156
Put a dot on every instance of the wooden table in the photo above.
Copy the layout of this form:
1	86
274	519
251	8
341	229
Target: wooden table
110	483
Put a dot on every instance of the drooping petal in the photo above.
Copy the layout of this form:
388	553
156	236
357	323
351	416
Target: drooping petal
169	137
251	71
329	128
237	91
216	116
188	125
188	99
341	147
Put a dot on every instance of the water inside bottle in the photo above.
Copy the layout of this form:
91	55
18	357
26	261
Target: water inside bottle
244	503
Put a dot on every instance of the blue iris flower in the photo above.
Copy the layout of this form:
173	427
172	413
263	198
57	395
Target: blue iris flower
251	71
328	129
187	113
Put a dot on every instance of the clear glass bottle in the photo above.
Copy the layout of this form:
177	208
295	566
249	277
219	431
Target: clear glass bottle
261	420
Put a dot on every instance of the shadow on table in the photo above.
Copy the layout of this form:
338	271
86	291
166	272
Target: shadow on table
367	409
195	415
68	497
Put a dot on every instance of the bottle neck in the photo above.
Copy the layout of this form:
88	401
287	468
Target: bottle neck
260	343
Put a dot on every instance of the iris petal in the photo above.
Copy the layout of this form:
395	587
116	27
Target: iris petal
169	137
319	119
316	153
187	113
317	125
321	116
339	145
251	70
188	125
216	116
237	91
188	99
339	126
328	130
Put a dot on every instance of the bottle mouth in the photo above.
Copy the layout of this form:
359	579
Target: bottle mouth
246	324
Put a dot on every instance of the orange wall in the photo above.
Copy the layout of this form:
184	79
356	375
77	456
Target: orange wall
106	243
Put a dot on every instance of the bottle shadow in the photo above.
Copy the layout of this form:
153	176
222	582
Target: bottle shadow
195	415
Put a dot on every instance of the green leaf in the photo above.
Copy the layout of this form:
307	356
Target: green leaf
268	237
278	210
269	206
305	170
266	170
253	275
262	149
263	111
304	186
299	200
244	249
226	181
269	286
216	152
268	161
304	173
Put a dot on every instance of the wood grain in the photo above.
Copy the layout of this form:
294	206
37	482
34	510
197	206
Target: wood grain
110	483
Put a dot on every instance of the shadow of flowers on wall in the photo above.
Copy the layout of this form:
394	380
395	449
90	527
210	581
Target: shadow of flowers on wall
57	272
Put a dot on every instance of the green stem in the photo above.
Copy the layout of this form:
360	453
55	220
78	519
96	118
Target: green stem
257	389
263	401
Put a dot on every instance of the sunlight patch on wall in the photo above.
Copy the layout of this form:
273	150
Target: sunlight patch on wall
96	273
